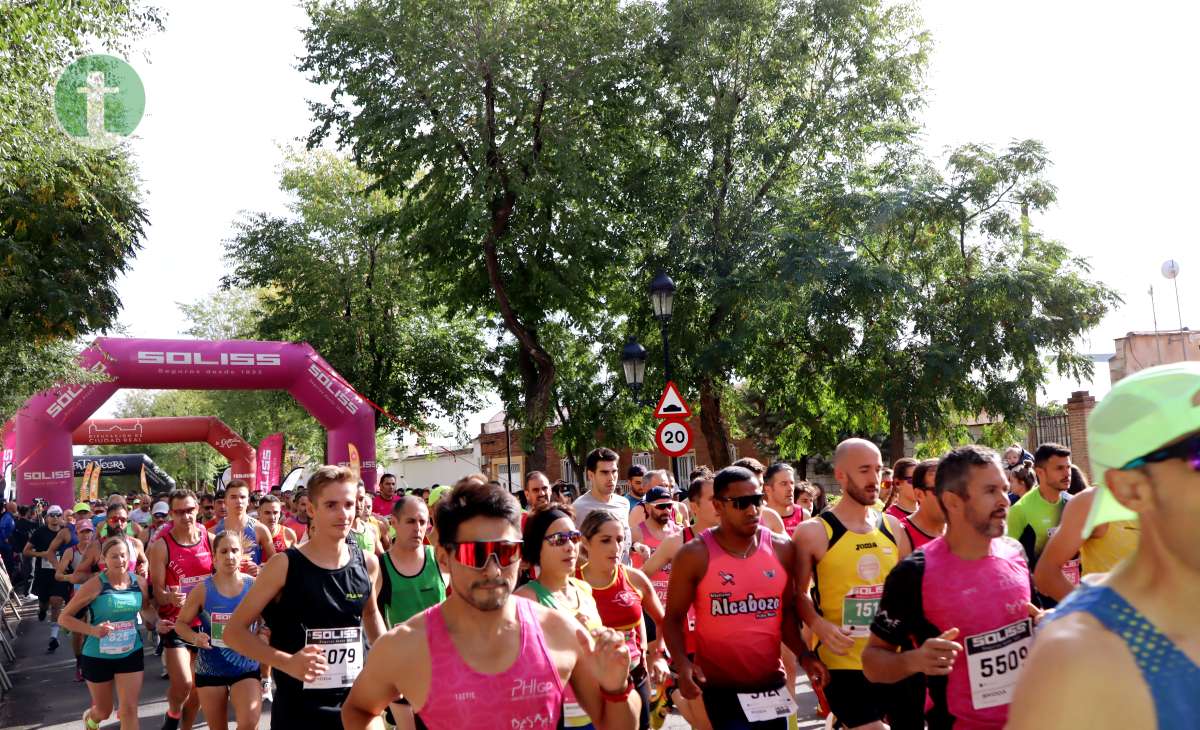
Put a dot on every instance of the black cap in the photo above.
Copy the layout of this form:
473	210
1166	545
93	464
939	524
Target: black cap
657	494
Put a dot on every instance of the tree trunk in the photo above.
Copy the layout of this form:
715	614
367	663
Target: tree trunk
712	424
895	433
801	466
536	384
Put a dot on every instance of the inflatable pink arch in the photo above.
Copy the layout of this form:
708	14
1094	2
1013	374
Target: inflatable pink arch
44	426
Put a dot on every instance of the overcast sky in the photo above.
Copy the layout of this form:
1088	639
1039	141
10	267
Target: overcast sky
1109	90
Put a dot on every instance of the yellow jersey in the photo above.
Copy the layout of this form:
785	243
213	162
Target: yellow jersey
1101	554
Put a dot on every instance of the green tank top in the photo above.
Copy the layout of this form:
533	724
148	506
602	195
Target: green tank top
365	539
120	607
404	596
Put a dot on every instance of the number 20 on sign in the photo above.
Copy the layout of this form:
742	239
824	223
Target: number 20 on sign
674	438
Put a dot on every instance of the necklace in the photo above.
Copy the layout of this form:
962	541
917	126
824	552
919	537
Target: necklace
753	545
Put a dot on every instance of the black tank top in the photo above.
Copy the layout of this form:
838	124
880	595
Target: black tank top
315	598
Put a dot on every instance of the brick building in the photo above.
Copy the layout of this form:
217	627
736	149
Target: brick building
495	455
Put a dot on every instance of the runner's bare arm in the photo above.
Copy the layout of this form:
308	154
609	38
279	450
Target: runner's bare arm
1079	675
62	537
81	600
687	569
903	544
1063	545
650	603
637	516
141	566
609	656
90	560
816	670
265	544
289	538
158	573
187	614
372	618
772	521
265	589
60	570
663	555
810	541
379	683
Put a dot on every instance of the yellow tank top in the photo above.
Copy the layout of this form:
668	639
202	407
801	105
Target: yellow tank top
1101	554
848	582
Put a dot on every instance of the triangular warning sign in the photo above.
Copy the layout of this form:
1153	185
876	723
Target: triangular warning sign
672	404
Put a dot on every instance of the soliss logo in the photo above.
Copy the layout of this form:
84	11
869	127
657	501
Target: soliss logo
266	359
68	397
328	382
45	475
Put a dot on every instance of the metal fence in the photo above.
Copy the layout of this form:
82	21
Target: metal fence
1053	429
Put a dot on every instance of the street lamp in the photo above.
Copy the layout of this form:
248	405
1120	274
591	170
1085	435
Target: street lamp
633	360
662	299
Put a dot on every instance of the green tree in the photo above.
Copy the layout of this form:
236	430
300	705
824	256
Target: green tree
930	296
762	98
328	276
515	135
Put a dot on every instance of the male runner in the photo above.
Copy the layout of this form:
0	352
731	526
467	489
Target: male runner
848	552
738	576
601	468
270	512
298	522
219	510
637	491
928	522
318	600
1036	515
964	598
537	493
484	659
1124	653
779	486
905	502
650	480
159	515
179	562
410	580
657	527
51	593
207	509
257	543
385	499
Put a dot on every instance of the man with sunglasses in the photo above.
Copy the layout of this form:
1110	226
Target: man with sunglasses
847	552
929	521
1124	652
738	577
318	599
460	670
905	501
657	527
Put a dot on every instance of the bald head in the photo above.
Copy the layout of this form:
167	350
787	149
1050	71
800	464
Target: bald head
857	465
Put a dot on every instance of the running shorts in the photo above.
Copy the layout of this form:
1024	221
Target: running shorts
725	711
99	670
217	680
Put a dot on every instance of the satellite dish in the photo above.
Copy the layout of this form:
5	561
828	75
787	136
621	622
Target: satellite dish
1170	268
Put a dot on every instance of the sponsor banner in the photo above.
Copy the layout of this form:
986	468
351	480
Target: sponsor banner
270	462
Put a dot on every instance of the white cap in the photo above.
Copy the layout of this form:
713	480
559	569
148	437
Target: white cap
160	508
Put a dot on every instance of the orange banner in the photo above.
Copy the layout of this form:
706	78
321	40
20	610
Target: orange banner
83	483
355	462
95	489
145	487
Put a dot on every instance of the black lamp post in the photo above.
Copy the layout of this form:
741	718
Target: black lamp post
633	355
633	360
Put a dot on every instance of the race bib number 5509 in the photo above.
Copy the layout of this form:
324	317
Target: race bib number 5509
994	660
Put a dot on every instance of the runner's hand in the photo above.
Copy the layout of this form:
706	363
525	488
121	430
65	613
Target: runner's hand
659	671
818	673
610	657
643	550
1036	613
936	656
250	568
202	640
307	664
690	679
835	638
102	629
166	625
175	597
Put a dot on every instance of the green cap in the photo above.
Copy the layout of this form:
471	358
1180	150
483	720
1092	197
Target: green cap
1143	412
437	493
82	507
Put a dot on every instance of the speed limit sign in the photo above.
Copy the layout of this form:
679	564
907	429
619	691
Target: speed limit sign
674	438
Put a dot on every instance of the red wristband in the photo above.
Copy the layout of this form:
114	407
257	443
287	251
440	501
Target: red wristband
610	697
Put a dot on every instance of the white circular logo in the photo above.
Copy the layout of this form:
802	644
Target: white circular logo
869	568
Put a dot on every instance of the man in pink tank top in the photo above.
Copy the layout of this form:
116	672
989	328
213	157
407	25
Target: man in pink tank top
960	607
738	576
486	658
779	487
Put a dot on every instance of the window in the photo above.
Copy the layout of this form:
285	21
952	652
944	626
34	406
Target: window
645	460
687	463
514	480
565	472
733	452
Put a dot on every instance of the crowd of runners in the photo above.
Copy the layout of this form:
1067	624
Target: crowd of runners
978	590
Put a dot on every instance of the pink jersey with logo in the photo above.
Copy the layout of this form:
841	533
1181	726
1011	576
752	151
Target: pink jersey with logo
739	616
985	599
792	521
660	579
187	567
529	694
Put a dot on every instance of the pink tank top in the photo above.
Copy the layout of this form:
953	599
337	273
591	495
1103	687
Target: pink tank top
986	600
918	538
660	579
187	567
529	694
739	616
793	520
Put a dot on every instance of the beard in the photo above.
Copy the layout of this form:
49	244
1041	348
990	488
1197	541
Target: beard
859	494
489	600
991	524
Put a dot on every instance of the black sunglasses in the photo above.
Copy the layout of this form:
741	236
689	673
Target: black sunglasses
558	539
662	505
744	501
1188	450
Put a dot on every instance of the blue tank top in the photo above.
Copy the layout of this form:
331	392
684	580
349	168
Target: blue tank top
1173	678
120	607
249	537
221	661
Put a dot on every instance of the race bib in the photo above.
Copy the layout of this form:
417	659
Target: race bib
1072	570
994	661
189	583
767	706
343	649
216	625
859	608
121	639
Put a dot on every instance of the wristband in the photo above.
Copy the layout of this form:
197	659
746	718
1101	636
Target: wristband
617	697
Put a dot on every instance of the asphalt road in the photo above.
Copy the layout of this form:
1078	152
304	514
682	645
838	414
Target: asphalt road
47	697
